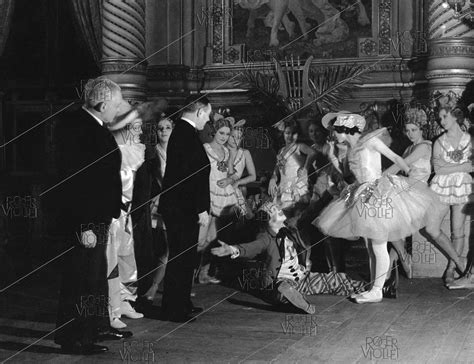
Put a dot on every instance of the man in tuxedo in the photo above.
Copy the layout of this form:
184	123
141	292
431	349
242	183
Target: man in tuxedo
90	192
184	205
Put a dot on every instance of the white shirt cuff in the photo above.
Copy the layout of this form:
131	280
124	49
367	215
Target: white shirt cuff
235	252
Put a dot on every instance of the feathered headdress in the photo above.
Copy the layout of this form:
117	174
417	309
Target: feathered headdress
230	119
448	100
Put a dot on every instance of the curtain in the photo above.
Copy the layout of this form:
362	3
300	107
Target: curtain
88	18
6	11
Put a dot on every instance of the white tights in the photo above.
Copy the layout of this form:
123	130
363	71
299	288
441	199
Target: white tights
382	262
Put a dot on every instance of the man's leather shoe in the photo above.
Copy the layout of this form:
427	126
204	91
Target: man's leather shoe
113	334
194	310
83	349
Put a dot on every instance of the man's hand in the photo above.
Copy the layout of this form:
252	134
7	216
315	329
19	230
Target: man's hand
88	239
308	267
203	218
223	250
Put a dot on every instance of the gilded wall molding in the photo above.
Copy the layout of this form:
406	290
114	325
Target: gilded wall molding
384	36
452	50
118	65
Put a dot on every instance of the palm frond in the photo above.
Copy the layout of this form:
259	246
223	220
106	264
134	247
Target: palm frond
331	85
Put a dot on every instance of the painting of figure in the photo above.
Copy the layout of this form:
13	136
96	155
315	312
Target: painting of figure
322	28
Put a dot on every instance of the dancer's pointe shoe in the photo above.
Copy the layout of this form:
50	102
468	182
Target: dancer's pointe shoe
116	323
372	296
357	294
127	310
466	282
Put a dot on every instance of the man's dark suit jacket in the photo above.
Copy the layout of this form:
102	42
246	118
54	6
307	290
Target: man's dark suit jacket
89	161
186	180
90	194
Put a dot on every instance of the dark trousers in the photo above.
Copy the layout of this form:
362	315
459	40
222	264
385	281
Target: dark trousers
83	298
143	240
182	232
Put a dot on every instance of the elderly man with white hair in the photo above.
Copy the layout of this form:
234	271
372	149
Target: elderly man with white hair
89	196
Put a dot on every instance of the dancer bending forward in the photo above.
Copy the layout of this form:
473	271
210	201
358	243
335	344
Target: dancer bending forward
287	269
375	207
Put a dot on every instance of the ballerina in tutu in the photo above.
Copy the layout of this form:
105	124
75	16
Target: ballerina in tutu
375	207
291	169
418	158
452	164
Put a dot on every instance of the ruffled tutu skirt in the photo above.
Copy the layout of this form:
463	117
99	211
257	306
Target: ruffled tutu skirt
453	188
389	208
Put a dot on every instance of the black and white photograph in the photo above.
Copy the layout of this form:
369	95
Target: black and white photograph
236	181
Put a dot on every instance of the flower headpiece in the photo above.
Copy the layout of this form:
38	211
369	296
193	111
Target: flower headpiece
231	120
448	101
351	121
417	117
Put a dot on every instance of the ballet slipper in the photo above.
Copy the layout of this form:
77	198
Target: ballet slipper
116	323
373	296
465	282
127	310
205	278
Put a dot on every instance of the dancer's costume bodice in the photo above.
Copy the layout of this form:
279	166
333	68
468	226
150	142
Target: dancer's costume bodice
420	169
365	164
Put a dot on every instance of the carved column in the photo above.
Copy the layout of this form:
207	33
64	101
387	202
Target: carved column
450	49
123	46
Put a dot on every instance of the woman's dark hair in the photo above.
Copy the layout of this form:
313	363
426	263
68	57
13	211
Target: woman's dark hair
294	127
322	133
